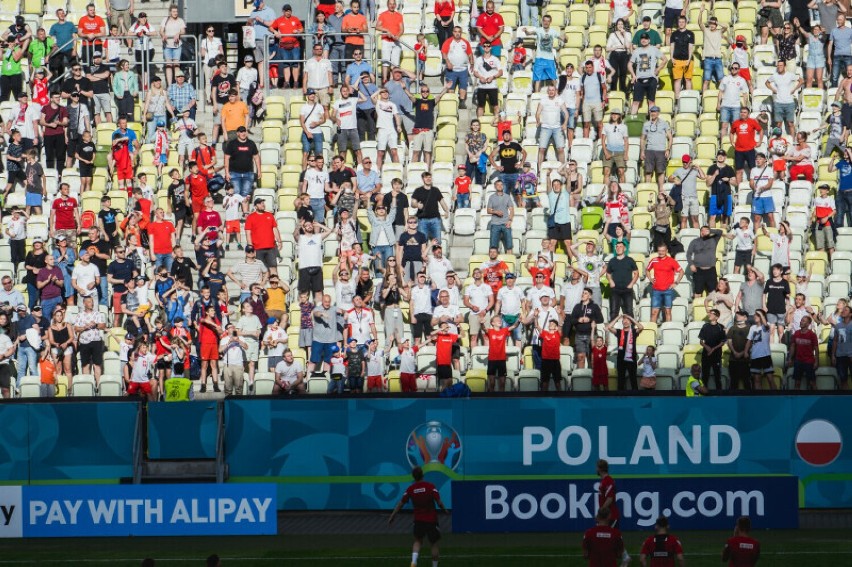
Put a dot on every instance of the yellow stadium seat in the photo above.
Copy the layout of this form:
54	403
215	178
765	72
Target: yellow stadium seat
597	35
816	262
708	125
691	355
578	15
575	37
685	125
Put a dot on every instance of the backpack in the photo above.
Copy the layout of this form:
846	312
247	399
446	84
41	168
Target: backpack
88	219
457	390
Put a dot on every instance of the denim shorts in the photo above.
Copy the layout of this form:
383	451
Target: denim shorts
172	53
314	145
458	78
662	299
729	113
762	205
785	112
547	134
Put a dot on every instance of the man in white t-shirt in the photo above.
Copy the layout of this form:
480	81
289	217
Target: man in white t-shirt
388	127
508	306
344	113
761	178
289	375
309	246
316	180
311	118
437	267
233	351
445	312
85	277
615	142
551	116
487	69
731	89
784	85
233	213
317	76
359	323
569	82
141	364
479	298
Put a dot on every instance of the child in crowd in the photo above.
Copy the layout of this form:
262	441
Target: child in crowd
375	367
519	56
233	213
122	161
421	47
338	371
408	366
356	367
85	155
461	186
528	184
161	147
600	370
551	365
648	363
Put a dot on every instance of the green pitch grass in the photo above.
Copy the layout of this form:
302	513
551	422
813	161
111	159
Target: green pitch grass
802	548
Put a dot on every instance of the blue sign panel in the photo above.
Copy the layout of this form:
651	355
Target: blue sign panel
712	503
148	510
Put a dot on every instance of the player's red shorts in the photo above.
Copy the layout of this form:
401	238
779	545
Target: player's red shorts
408	381
374	382
124	173
232	226
209	351
135	387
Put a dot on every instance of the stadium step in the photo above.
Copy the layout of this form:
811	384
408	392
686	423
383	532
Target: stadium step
182	471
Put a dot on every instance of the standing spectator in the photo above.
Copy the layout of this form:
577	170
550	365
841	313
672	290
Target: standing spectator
389	126
100	251
119	273
365	89
54	120
211	49
15	228
309	239
822	219
479	299
711	51
424	123
88	326
645	28
421	308
155	108
619	47
262	234
119	13
585	316
209	332
63	32
25	117
734	96
475	144
161	240
547	42
487	69
234	115
591	266
701	260
344	113
490	26
396	194
445	11
739	364
656	147
784	86
667	274
626	358
34	262
288	52
324	334
804	354
682	42
743	139
501	208
262	21
844	187
687	177
719	177
815	64
317	76
745	244
182	97
427	199
458	60
221	85
615	145
510	155
712	338
125	89
64	215
411	251
776	299
840	45
242	162
392	27
234	352
799	157
171	30
337	50
311	117
623	273
672	12
841	352
354	27
51	285
85	278
397	87
382	236
99	77
91	29
592	96
551	115
316	185
759	351
569	87
762	202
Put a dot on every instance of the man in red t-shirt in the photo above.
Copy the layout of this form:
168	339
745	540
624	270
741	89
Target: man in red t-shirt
286	28
804	353
551	365
495	338
606	492
664	269
742	137
262	233
662	548
490	26
603	545
196	183
391	24
446	350
741	550
423	496
161	239
494	270
65	217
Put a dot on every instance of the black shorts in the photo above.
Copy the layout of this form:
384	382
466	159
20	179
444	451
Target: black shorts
421	325
497	368
551	370
427	529
269	257
486	95
444	372
310	280
742	258
163	364
71	148
560	232
645	88
670	17
15	177
5	375
86	170
704	280
743	159
92	353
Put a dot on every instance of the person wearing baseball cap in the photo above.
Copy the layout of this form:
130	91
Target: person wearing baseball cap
263	236
645	75
242	160
615	144
720	175
655	147
687	177
654	38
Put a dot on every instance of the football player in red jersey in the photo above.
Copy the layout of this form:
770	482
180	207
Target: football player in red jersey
742	550
662	548
602	544
606	500
424	496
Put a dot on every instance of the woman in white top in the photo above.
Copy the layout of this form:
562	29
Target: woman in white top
248	328
155	106
619	45
780	244
142	48
171	29
211	48
799	157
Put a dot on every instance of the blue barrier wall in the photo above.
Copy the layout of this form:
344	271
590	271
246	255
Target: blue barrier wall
357	454
73	442
182	431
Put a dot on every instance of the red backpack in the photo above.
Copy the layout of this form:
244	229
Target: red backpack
88	219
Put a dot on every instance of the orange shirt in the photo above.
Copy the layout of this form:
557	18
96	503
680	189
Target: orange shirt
391	22
88	25
356	21
287	27
234	115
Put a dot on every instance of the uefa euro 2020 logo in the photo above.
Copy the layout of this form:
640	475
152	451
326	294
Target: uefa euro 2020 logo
434	445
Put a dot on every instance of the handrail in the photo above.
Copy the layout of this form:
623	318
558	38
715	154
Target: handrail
220	443
137	445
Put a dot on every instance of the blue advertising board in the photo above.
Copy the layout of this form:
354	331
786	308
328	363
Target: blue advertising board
695	503
138	510
348	454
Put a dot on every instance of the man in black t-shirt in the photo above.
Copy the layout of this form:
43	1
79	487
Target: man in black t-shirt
423	133
77	83
719	178
221	85
182	268
683	44
108	220
242	161
340	173
99	77
623	274
713	338
100	252
427	199
401	205
119	272
505	158
412	250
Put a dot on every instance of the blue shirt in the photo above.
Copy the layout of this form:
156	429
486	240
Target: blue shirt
368	90
131	136
367	182
561	209
844	171
63	33
354	70
261	32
